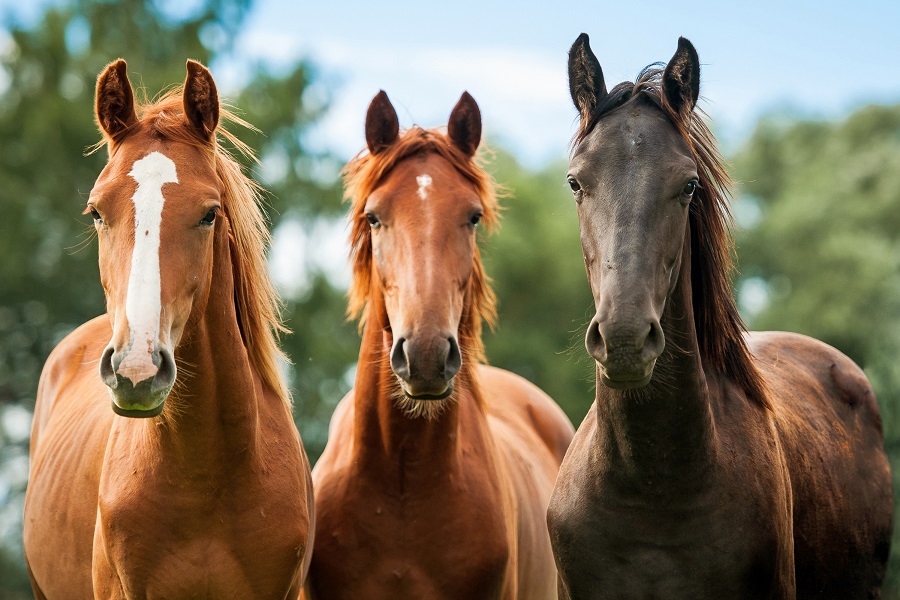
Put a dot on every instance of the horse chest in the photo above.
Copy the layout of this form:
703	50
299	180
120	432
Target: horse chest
609	546
177	541
438	543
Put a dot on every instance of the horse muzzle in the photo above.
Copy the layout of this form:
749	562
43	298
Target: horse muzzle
625	353
426	367
139	383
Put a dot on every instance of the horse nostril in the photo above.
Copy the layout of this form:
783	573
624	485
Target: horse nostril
107	370
594	342
454	360
399	361
165	376
655	342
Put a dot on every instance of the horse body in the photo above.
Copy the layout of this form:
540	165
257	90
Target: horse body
415	501
212	498
713	463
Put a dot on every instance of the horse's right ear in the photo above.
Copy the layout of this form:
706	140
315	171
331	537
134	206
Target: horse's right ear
585	78
382	125
114	103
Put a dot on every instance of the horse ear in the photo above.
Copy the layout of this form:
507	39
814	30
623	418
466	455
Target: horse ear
382	125
681	79
464	126
201	99
586	82
114	102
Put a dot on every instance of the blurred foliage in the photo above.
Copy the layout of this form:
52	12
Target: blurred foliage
538	274
820	203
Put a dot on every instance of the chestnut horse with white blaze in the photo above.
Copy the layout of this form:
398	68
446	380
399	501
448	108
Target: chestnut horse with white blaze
194	484
438	470
714	463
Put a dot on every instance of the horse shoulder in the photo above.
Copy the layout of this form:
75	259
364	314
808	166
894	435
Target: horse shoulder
71	427
71	358
523	405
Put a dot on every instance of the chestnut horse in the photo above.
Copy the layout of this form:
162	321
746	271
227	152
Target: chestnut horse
208	495
713	463
438	470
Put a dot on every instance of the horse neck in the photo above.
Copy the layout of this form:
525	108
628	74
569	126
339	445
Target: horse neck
664	431
214	413
382	433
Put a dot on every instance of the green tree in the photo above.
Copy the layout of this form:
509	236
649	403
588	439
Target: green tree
822	253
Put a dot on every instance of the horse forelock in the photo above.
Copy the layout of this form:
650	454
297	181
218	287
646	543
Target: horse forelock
257	304
364	174
718	323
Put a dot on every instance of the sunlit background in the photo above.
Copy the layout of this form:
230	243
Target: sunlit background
804	98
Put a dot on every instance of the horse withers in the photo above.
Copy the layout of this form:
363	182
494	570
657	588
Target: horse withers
194	484
438	469
713	463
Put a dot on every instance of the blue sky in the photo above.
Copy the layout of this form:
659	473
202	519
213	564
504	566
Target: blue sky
818	59
814	58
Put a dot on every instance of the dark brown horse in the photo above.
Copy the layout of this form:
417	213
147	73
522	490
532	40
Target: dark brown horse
438	469
209	494
713	463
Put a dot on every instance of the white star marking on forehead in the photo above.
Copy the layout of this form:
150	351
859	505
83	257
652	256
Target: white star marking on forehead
424	182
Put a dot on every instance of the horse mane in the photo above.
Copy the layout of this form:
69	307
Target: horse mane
720	328
363	174
257	304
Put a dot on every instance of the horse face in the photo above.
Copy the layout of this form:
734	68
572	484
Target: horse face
633	178
155	206
423	246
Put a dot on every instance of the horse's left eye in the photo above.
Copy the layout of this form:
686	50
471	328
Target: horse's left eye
690	188
95	215
475	219
210	217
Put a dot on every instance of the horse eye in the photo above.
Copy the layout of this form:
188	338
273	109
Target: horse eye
372	219
209	218
573	183
475	219
95	215
690	187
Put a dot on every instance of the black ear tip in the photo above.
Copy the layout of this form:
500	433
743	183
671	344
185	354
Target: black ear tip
685	44
467	98
581	42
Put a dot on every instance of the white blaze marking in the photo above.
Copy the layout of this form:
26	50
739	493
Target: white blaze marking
142	304
424	182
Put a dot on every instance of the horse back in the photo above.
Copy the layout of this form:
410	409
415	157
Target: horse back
71	428
827	419
532	435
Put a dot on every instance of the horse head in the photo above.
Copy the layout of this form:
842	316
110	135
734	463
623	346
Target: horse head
414	235
155	207
634	177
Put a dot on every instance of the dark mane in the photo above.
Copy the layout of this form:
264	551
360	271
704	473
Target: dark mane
720	328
